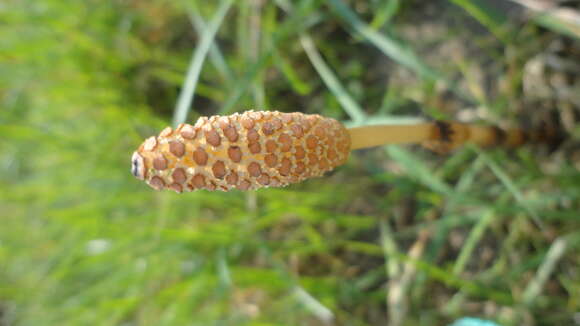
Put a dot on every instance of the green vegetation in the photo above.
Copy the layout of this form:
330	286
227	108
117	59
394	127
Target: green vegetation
398	235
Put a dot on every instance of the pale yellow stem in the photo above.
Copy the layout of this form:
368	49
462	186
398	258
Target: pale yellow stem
482	135
369	136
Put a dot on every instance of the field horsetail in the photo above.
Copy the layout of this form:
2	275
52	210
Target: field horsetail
257	149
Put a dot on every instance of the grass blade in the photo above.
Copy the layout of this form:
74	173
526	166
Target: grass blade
215	54
393	49
414	167
511	187
559	19
187	92
471	242
351	107
397	51
290	27
492	19
535	286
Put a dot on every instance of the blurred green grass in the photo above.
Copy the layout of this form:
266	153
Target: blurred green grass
396	236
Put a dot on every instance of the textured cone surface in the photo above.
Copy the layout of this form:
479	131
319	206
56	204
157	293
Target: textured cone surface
242	151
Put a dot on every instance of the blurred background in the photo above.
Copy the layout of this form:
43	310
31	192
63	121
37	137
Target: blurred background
397	236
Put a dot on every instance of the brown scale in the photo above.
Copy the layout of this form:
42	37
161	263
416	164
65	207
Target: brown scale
257	149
